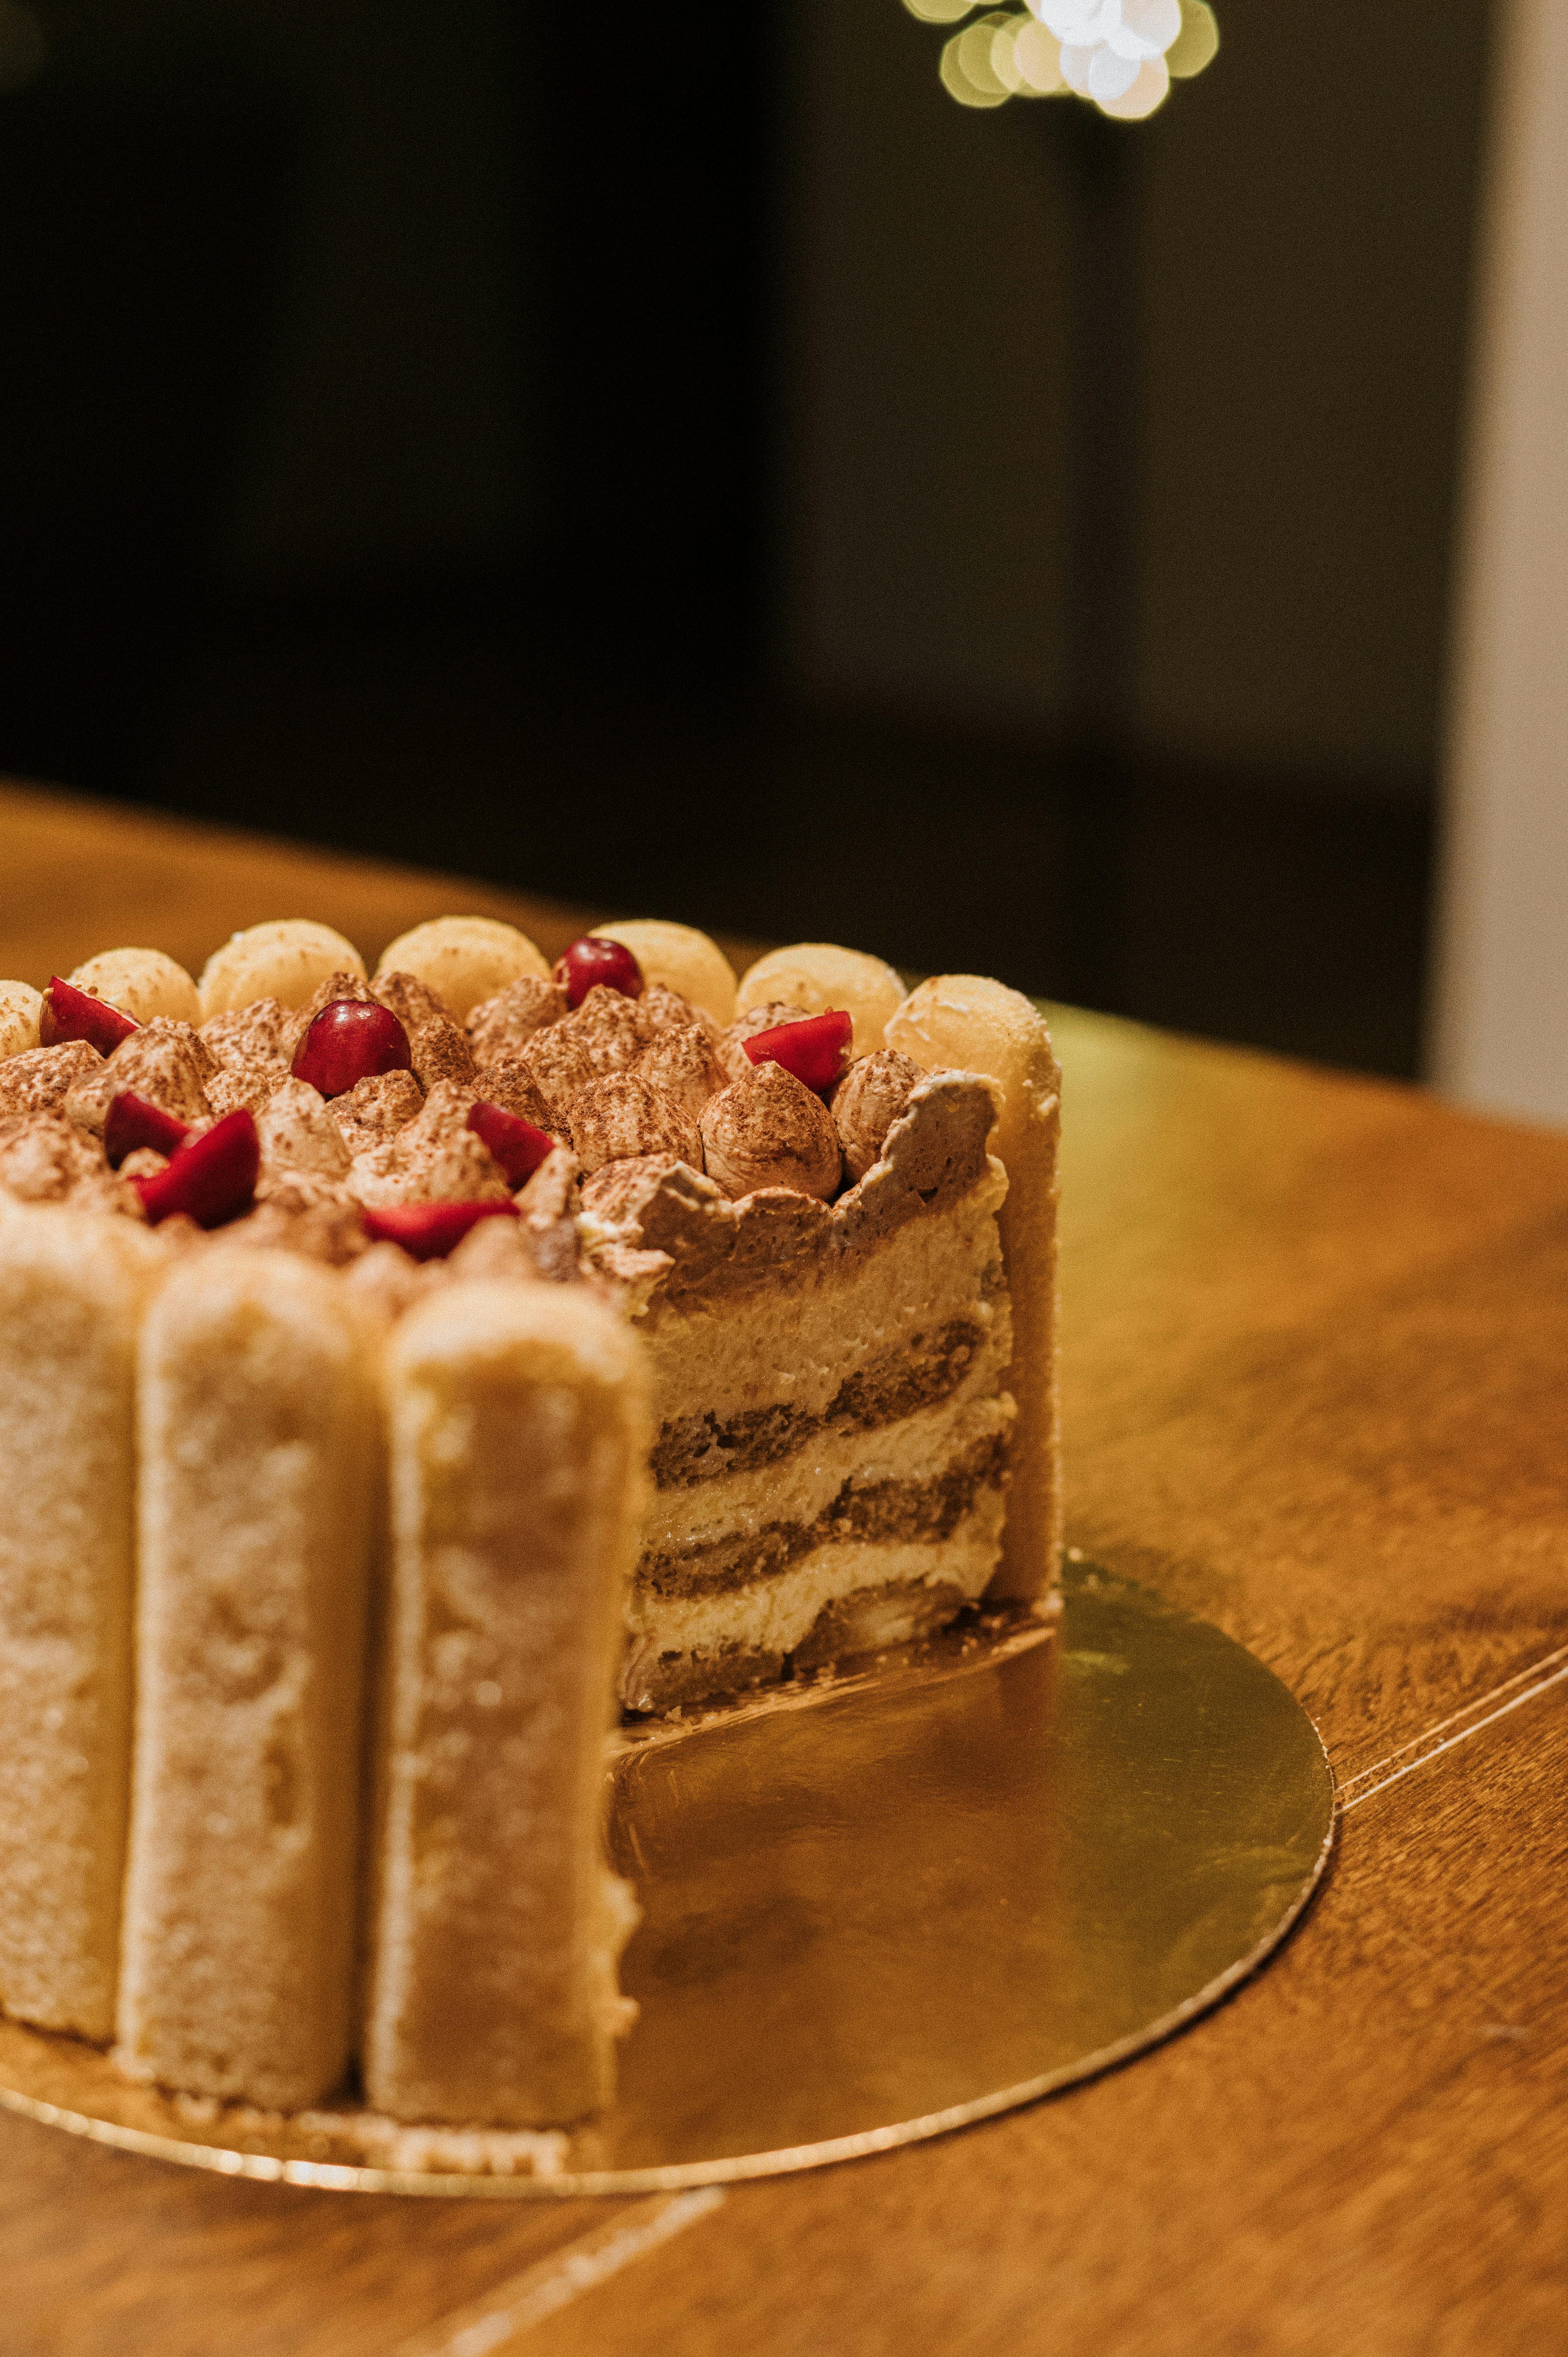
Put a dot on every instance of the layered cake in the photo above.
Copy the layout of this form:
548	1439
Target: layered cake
401	1372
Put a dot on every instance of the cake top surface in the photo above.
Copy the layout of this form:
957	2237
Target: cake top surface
477	1114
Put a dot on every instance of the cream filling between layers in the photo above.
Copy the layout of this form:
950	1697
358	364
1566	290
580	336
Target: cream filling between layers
776	1614
919	1448
796	1346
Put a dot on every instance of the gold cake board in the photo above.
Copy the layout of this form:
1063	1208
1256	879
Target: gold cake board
876	1907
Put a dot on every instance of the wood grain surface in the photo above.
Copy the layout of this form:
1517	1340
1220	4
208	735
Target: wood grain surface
1316	1379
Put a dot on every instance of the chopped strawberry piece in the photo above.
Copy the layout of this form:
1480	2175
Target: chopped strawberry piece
69	1013
351	1041
430	1231
814	1048
514	1143
131	1122
212	1178
596	959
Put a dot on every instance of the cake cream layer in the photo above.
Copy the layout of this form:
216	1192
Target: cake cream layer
742	1381
518	1427
829	1390
689	1533
73	1290
845	1596
259	1450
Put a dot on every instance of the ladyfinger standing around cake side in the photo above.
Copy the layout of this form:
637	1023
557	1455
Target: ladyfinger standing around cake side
517	1431
966	1023
260	1447
73	1289
816	975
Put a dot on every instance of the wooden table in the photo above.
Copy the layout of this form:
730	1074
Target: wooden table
1317	1389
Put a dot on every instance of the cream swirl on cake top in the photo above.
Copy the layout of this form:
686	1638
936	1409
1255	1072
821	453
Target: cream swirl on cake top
769	1129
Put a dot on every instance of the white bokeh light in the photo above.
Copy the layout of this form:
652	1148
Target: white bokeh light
1097	71
1120	55
1151	89
1147	28
1105	43
1082	22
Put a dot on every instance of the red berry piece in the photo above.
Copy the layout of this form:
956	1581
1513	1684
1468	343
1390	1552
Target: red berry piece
131	1122
69	1014
350	1040
592	960
212	1178
430	1231
813	1049
515	1143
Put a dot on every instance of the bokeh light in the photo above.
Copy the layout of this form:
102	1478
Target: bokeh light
966	67
1037	59
1119	55
1149	88
1198	43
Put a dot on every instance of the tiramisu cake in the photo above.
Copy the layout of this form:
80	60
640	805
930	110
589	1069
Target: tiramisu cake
400	1372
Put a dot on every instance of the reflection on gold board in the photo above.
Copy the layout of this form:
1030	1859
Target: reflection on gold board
876	1908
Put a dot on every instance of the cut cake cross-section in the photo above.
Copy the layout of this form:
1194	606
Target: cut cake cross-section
831	1451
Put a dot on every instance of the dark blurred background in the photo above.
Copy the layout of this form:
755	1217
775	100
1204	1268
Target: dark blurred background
679	461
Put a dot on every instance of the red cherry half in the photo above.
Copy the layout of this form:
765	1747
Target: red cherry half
212	1178
594	959
131	1122
430	1231
69	1014
813	1049
350	1040
514	1143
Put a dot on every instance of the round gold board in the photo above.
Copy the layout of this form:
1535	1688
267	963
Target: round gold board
875	1907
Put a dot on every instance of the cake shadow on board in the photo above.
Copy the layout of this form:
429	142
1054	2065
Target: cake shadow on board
407	1373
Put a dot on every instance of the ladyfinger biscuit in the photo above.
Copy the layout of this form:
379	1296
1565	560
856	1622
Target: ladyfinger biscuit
519	1425
73	1288
259	1433
464	960
142	984
962	1022
20	1006
679	957
286	958
815	975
